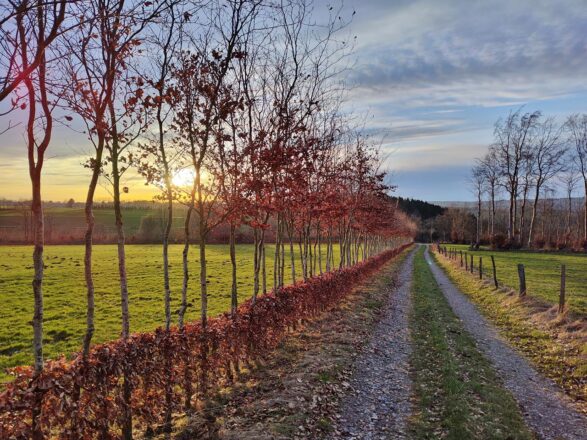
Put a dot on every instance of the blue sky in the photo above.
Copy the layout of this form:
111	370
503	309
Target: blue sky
433	75
436	74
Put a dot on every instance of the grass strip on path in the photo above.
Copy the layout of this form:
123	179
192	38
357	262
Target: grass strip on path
458	394
557	348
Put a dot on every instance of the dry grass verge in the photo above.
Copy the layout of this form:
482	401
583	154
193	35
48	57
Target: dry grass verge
556	344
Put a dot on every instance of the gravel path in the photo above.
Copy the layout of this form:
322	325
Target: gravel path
546	410
379	405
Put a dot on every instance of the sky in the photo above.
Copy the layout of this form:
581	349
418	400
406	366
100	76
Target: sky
432	75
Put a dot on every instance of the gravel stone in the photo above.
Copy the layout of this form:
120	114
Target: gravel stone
378	407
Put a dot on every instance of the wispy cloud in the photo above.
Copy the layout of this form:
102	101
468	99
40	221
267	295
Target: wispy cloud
436	75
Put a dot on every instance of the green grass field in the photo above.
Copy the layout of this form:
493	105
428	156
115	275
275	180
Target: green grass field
64	293
65	221
542	273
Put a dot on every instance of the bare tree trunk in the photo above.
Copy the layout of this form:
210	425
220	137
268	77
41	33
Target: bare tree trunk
257	264
523	214
185	265
234	292
203	274
492	212
263	265
127	391
569	214
276	256
39	245
88	240
292	254
533	220
511	219
478	236
328	247
203	280
166	264
302	259
121	253
282	257
319	249
585	217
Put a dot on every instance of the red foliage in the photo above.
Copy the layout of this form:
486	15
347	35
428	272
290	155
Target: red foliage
204	357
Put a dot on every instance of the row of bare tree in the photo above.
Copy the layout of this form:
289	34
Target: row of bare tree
243	96
532	158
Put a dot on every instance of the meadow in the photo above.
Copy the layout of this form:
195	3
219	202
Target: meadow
64	293
542	273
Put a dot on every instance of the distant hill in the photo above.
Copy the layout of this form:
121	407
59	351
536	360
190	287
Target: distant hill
503	204
420	208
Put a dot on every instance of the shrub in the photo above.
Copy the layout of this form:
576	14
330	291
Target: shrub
499	241
539	243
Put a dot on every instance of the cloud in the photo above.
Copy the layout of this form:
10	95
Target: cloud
472	53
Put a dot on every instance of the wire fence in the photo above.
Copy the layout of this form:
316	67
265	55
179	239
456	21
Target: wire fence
487	270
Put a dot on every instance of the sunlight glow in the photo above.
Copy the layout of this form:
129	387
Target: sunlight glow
183	178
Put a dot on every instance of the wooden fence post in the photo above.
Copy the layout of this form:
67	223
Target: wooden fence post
461	258
522	277
561	297
480	268
494	272
466	262
471	265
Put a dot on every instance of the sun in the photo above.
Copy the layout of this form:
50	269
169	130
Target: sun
183	178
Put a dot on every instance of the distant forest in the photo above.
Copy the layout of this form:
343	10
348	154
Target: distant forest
419	208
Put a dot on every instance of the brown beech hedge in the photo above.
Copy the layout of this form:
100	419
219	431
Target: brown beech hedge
145	379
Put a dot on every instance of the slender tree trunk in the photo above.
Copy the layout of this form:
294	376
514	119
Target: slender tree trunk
310	254
203	278
492	212
282	256
203	265
166	234
302	259
569	214
234	292
88	240
319	248
478	236
121	254
523	214
533	220
511	224
585	217
276	255
185	266
38	264
292	254
127	391
257	264
328	246
263	264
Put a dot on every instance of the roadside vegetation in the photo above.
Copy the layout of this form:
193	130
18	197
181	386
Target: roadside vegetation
556	344
543	272
457	393
295	391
